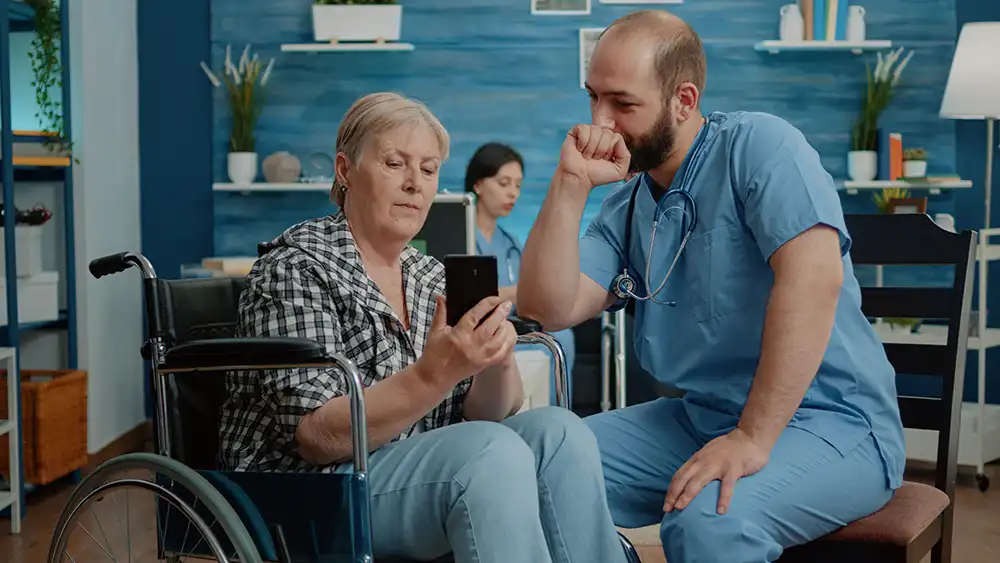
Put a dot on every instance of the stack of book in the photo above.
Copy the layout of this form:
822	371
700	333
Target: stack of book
825	20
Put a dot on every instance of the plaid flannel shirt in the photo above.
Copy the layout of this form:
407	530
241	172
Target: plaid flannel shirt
312	284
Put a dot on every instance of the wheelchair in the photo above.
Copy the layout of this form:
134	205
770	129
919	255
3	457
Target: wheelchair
202	512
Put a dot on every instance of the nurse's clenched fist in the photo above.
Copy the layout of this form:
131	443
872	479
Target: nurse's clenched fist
594	156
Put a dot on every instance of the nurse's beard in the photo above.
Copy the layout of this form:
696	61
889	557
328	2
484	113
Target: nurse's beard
651	148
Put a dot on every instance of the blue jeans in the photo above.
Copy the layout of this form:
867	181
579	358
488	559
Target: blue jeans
528	489
807	490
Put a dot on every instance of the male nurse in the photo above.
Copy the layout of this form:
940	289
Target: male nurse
789	426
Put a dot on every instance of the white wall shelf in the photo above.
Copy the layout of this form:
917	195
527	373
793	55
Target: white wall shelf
936	335
934	187
856	47
344	47
273	187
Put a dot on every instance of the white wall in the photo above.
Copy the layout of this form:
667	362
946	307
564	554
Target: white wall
106	141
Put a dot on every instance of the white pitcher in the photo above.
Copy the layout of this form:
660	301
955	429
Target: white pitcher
856	23
792	26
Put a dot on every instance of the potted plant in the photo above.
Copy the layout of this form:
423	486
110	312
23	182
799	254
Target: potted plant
244	91
46	66
356	20
862	160
914	163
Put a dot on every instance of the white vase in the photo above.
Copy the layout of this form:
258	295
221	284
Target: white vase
357	22
242	167
862	166
914	168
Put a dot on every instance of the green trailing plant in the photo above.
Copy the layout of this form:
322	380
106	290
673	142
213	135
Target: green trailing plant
879	91
46	67
353	2
914	154
245	83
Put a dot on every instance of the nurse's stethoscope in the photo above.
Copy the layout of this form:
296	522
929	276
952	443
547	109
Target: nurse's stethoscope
624	284
512	252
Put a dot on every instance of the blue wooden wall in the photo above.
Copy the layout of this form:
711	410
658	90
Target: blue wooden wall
490	70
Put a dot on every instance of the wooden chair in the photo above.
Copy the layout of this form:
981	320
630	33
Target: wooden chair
919	518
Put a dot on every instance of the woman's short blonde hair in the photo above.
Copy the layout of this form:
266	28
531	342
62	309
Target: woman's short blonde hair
375	114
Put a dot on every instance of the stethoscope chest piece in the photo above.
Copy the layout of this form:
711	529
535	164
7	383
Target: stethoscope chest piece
623	286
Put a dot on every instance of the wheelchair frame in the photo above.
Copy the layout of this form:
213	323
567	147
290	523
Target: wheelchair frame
224	354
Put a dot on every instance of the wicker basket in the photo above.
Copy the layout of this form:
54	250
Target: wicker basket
54	424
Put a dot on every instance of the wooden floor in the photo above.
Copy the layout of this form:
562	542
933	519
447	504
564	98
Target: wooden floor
977	527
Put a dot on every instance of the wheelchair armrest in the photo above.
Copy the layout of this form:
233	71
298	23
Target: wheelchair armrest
524	325
249	352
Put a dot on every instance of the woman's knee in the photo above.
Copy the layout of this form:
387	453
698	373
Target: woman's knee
491	450
556	431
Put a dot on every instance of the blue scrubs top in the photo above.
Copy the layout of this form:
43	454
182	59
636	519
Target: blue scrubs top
507	249
757	183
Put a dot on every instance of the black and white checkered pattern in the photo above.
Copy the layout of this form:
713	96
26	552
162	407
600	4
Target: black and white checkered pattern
312	284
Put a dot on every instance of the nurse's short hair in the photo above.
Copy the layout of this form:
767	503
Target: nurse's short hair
375	114
680	55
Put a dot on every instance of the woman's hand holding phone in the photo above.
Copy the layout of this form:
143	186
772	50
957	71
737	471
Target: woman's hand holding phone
482	338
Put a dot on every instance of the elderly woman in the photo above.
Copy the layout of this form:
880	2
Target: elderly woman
454	469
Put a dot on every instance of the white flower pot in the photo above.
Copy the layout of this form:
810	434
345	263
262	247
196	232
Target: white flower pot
862	166
242	167
914	168
357	22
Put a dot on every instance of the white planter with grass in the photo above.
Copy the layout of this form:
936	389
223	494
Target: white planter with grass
242	167
357	22
862	166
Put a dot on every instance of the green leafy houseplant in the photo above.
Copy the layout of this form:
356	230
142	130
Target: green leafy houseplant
244	83
914	154
880	88
46	66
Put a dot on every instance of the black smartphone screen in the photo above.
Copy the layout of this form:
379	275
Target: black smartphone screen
468	280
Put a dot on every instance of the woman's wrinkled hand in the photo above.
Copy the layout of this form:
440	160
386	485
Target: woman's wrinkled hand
482	338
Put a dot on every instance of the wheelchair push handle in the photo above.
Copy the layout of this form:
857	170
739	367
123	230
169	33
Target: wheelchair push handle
110	264
116	263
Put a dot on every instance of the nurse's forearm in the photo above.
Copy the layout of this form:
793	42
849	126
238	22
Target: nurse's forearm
550	264
797	326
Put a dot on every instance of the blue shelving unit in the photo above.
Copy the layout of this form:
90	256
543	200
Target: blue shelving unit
18	17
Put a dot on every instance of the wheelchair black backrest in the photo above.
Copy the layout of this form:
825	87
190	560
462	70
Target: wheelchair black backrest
197	309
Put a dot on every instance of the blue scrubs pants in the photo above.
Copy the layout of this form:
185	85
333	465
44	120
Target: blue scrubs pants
808	488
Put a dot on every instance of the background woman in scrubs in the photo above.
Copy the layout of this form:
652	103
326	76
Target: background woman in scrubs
494	174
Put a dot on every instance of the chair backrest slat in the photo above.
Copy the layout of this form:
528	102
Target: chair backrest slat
910	302
920	359
904	239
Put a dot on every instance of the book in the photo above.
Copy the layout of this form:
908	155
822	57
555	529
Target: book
806	7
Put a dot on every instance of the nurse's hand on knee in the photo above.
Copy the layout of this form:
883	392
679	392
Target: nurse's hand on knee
726	459
482	338
594	155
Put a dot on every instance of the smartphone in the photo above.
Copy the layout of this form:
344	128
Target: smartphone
468	280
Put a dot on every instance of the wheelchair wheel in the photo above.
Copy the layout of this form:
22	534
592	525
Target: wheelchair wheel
144	508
